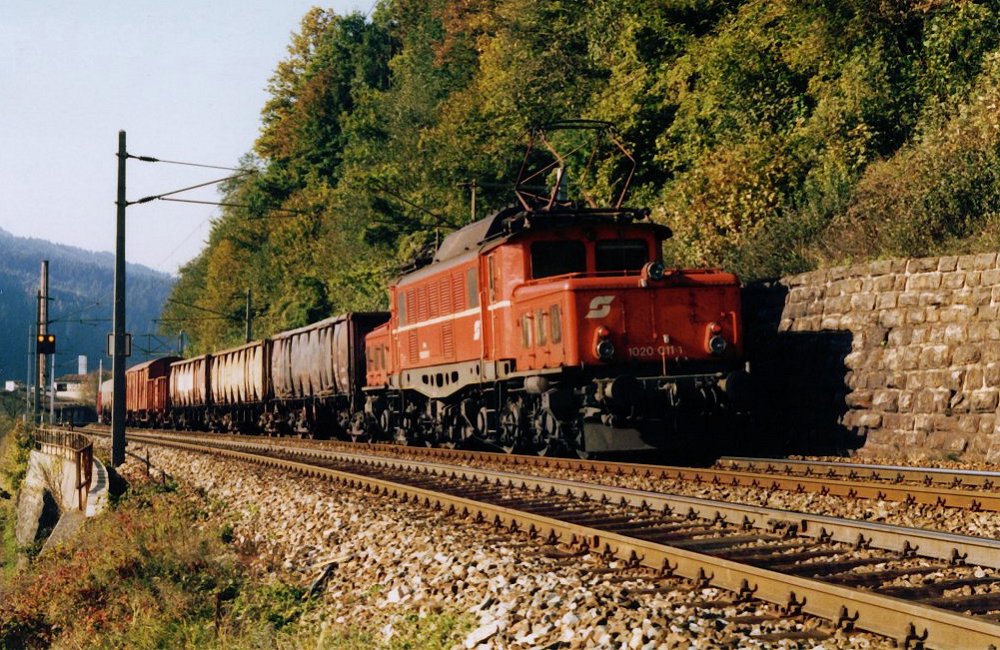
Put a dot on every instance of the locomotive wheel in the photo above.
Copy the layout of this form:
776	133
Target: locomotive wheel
509	432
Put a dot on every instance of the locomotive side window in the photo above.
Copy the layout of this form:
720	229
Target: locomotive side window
492	282
526	331
622	254
540	317
472	288
555	316
550	258
401	308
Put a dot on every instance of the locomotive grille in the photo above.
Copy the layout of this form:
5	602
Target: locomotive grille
413	350
448	341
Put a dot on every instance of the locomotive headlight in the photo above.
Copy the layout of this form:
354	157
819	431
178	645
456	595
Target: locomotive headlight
604	349
717	345
654	271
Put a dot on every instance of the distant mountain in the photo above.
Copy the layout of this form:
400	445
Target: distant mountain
81	284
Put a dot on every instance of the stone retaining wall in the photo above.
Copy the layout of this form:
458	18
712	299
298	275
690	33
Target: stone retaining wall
899	356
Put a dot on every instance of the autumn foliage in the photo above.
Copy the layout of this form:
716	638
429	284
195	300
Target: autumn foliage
772	136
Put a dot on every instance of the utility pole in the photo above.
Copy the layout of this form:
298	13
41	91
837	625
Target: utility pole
118	333
52	397
248	318
472	185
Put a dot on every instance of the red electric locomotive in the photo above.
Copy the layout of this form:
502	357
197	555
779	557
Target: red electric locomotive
554	326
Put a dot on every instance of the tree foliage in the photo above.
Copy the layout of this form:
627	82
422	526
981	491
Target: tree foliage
771	135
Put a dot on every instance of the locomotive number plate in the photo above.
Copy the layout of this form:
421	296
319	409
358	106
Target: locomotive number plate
655	351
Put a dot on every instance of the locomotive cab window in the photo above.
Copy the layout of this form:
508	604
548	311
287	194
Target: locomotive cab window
621	254
549	258
472	287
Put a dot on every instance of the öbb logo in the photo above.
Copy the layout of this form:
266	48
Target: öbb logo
600	307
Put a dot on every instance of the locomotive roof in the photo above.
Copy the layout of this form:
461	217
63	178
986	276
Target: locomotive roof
512	220
469	237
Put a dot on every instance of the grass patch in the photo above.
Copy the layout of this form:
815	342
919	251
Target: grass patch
15	448
158	570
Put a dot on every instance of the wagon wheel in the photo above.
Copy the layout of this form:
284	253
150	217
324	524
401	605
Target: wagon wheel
361	428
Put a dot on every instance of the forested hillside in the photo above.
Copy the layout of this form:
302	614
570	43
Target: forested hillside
772	135
81	285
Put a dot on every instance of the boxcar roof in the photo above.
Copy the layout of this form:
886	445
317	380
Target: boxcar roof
152	362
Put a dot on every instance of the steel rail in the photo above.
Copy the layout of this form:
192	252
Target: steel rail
909	623
955	478
951	547
938	496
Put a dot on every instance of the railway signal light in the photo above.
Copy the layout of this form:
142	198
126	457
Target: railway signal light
45	344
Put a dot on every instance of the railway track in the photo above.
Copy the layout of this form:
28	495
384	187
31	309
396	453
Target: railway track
970	490
853	471
920	588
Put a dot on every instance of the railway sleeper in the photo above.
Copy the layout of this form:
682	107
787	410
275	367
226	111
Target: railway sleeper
762	552
976	604
719	543
818	569
934	589
876	578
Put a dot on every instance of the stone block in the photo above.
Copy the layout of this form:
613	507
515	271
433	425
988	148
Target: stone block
931	400
948	442
880	267
886	300
908	299
968	423
991	374
948	263
924	281
977	262
890	318
904	401
909	358
984	400
978	331
935	356
838	305
989	312
972	278
936	298
859	399
923	422
953	380
933	315
981	297
830	322
836	274
919	335
953	281
867	419
990	278
863	301
922	264
974	378
884	283
916	315
885	400
956	332
898	337
965	355
858	270
897	421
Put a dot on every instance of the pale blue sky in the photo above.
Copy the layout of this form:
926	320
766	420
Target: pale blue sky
185	79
